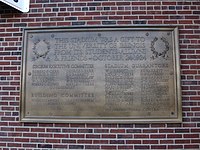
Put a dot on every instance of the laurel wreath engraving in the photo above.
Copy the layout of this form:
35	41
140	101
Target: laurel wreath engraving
44	54
157	54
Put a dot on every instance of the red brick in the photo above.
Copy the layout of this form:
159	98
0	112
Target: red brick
64	23
174	136
34	24
117	142
117	130
108	135
175	146
195	98
77	125
189	72
85	18
7	139
3	144
159	136
191	146
53	140
195	66
96	136
4	73
185	12
15	134
116	17
100	141
53	130
133	142
122	3
77	135
158	125
93	22
138	3
21	140
123	13
15	73
10	58
194	87
3	123
171	22
150	131
30	145
195	130
158	147
14	145
150	141
141	136
154	22
61	135
108	147
7	108
141	146
153	3
8	118
166	131
92	146
36	140
124	136
138	12
191	136
49	24
145	17
182	141
69	130
130	17
85	130
29	135
125	147
184	3
89	125
166	141
60	146
195	140
68	141
189	125
169	3
169	12
4	63
7	98
101	130
84	141
108	4
45	125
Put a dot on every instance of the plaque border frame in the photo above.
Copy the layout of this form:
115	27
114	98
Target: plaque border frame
53	119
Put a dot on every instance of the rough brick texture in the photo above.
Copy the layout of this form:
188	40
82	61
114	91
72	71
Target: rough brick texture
43	13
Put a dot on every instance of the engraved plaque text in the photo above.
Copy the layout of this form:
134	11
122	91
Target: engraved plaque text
101	75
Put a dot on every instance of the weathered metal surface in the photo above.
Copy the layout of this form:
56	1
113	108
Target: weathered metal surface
101	75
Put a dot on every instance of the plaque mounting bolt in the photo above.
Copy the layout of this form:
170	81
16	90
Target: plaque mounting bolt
171	73
29	73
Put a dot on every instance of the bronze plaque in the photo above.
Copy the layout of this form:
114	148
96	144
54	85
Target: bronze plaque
126	74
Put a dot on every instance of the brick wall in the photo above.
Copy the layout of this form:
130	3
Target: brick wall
43	13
